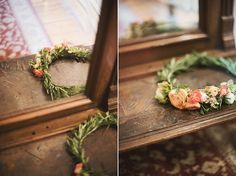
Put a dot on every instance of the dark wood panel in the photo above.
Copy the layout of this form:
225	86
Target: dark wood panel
144	121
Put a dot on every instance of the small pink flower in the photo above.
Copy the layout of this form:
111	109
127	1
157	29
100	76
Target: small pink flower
224	90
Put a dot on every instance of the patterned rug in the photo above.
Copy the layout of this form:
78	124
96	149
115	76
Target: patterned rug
20	30
210	152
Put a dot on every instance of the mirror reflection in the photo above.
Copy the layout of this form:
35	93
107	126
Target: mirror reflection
27	28
155	17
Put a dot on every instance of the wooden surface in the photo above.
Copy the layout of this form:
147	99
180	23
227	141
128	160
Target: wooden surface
48	157
144	121
20	90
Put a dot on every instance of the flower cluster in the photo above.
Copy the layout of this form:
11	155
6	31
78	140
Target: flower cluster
211	97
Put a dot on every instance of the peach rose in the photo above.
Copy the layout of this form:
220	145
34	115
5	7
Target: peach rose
178	98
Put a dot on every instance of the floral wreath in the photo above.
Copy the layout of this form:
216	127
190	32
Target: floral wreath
79	134
45	57
206	99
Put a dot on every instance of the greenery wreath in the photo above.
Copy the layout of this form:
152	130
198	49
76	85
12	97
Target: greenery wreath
79	134
206	99
45	57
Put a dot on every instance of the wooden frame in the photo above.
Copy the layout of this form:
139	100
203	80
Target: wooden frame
153	48
100	73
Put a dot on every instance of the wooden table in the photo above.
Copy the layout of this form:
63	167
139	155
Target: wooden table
144	121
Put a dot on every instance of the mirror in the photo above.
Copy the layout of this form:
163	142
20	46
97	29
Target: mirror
140	19
29	26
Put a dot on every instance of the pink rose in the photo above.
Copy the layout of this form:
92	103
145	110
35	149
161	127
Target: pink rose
195	97
224	90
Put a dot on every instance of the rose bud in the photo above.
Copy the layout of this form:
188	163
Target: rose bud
78	168
38	73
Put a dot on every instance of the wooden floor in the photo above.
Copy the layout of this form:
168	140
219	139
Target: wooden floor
67	20
49	157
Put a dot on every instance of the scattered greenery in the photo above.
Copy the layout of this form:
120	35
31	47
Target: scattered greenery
79	134
147	28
